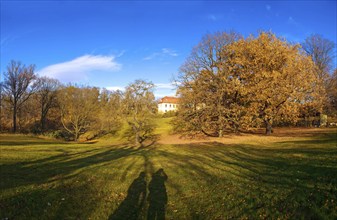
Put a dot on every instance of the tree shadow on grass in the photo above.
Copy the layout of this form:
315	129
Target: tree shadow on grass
295	178
59	175
133	204
58	166
73	200
27	140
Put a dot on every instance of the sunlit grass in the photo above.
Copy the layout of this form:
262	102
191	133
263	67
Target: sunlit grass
256	178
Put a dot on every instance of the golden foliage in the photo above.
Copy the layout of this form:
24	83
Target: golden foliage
254	80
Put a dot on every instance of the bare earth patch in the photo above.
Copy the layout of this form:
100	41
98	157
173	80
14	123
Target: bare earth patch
256	136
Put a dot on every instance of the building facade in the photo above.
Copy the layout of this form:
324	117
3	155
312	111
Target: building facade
168	103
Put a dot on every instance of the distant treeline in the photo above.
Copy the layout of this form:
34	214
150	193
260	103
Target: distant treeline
227	84
41	105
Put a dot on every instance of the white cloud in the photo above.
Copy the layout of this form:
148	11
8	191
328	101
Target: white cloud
164	52
79	68
115	88
268	7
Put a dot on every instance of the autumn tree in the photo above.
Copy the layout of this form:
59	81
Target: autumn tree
78	108
47	96
18	86
249	82
138	109
276	75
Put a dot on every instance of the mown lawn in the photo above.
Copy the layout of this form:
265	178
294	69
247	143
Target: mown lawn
237	178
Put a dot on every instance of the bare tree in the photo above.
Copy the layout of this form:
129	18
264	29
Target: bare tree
18	86
332	93
138	108
322	53
47	96
205	103
1	97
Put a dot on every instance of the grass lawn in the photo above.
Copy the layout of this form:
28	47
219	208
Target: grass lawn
237	177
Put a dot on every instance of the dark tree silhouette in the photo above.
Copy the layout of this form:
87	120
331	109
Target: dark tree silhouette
157	196
18	86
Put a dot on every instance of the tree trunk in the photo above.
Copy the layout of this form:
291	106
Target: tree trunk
42	120
137	141
269	128
220	133
14	117
76	136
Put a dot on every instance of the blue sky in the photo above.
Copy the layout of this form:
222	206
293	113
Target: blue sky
112	43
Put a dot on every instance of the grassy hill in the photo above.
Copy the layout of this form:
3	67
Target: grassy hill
290	176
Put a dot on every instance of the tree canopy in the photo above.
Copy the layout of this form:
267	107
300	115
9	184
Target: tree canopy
257	80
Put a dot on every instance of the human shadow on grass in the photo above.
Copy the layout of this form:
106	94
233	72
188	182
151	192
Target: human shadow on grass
132	205
157	196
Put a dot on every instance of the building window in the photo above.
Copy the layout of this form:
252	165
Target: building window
170	106
165	105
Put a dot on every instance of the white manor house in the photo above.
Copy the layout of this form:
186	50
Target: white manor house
168	103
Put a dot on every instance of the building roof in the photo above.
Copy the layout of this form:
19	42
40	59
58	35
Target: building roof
169	99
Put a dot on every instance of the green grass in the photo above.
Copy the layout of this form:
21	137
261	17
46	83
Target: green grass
163	126
255	178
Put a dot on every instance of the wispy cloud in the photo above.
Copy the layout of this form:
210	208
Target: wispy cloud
164	52
164	89
161	89
165	86
214	17
268	7
79	68
161	94
292	21
5	41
